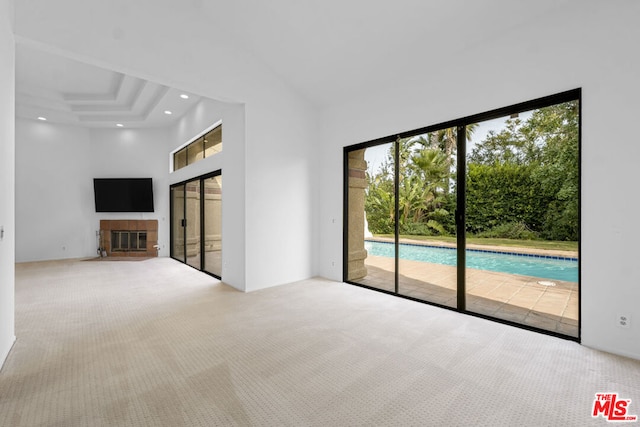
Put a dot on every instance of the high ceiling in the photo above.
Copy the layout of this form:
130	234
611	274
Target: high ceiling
327	52
66	91
331	51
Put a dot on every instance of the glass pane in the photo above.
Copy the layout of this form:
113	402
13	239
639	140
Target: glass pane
180	159
177	229
193	223
115	243
213	225
124	241
522	218
371	205
213	142
427	201
195	151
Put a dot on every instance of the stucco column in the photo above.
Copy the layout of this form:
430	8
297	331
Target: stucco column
357	184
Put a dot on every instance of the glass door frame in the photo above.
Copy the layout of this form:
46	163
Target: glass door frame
201	210
172	236
460	213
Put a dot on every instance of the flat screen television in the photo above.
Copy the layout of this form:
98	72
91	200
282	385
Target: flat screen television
123	194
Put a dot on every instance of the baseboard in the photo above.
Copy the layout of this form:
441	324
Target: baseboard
4	355
615	352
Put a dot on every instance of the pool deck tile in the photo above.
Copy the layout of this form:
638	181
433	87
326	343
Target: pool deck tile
506	296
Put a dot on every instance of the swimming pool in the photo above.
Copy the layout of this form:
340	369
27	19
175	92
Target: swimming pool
537	266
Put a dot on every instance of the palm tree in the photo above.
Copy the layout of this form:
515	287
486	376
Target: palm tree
431	165
446	141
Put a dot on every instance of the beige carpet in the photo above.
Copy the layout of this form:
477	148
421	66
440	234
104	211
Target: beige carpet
158	343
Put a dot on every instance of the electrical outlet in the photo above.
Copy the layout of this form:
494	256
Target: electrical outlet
623	320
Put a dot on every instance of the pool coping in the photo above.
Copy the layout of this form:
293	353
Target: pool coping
523	252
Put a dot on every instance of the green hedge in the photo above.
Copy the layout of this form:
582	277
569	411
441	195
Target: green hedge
502	194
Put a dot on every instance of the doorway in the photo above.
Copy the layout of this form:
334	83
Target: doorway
196	223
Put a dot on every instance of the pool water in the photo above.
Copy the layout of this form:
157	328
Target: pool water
535	266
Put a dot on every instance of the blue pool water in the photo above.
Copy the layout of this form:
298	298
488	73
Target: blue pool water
541	267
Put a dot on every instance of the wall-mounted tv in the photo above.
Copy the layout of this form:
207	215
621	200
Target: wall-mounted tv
123	194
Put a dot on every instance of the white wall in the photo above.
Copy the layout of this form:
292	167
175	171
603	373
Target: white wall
55	167
192	125
144	157
268	187
280	189
231	161
7	189
148	39
590	47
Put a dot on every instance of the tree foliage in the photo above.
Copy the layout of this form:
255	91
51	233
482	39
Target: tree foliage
503	193
521	181
423	185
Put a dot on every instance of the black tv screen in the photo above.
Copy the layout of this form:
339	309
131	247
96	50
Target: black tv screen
123	194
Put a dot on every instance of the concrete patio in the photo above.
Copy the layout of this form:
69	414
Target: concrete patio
505	296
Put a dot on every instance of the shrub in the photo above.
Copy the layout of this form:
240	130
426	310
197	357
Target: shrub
416	229
511	230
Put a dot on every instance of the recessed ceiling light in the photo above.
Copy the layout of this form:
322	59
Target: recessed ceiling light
119	125
184	96
42	118
167	112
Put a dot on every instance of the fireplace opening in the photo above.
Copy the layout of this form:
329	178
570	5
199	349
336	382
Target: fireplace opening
128	241
129	237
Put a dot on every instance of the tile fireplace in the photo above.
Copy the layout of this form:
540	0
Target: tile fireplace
129	237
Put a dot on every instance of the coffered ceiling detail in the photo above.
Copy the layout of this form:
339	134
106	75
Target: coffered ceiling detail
66	91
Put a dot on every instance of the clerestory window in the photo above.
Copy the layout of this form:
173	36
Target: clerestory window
202	147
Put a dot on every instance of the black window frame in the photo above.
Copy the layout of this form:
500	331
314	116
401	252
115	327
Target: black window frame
185	148
460	215
200	179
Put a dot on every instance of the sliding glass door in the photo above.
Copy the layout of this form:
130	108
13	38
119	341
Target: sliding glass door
177	222
426	195
522	209
479	215
212	218
194	219
196	223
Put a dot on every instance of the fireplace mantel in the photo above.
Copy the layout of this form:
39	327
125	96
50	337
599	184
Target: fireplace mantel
150	226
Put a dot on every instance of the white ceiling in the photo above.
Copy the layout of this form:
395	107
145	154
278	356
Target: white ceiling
69	92
328	52
331	51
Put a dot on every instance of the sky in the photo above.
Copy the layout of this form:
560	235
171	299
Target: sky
375	156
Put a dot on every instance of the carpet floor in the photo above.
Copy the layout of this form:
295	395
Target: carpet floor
157	343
